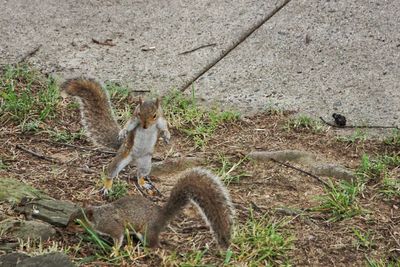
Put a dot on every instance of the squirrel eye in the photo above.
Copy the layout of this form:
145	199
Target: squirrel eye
155	116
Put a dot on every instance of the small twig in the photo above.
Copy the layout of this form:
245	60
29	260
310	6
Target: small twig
197	48
50	159
355	126
302	171
141	91
145	49
256	207
106	42
288	211
30	54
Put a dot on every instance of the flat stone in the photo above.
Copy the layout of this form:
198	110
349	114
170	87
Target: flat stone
12	190
47	260
27	229
315	165
297	156
332	170
53	211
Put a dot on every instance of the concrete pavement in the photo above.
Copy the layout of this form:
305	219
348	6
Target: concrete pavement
317	57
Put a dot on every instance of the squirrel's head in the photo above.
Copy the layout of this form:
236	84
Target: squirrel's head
84	215
148	112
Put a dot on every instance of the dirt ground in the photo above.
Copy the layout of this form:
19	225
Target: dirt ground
263	188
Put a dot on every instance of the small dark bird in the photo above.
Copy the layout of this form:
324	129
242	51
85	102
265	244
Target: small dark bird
340	120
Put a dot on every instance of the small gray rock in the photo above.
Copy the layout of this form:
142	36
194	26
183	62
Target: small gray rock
332	170
48	260
27	229
297	156
12	259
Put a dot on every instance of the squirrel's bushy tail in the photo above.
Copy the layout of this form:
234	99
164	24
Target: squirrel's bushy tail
96	112
209	194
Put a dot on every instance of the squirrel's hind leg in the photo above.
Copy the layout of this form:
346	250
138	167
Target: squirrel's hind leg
143	165
116	165
143	183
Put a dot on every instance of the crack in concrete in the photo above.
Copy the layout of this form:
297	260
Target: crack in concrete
244	36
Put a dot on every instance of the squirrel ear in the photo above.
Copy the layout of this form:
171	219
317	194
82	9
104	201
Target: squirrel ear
158	100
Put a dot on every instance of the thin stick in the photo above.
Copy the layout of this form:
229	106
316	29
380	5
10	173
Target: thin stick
52	160
355	126
302	171
141	91
106	42
256	207
30	54
197	48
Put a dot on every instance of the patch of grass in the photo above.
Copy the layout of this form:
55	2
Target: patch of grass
95	239
66	136
394	138
3	165
119	95
227	172
304	123
371	169
119	189
261	242
390	160
379	170
117	92
364	239
193	258
383	262
124	114
26	95
127	255
187	116
358	136
32	126
37	247
390	187
340	201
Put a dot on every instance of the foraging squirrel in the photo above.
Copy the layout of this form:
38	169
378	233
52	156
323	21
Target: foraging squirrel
148	219
135	141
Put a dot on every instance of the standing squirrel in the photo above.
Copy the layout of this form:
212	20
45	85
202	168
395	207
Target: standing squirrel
198	185
135	142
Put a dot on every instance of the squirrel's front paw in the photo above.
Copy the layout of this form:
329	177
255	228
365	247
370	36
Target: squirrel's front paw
122	134
107	185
